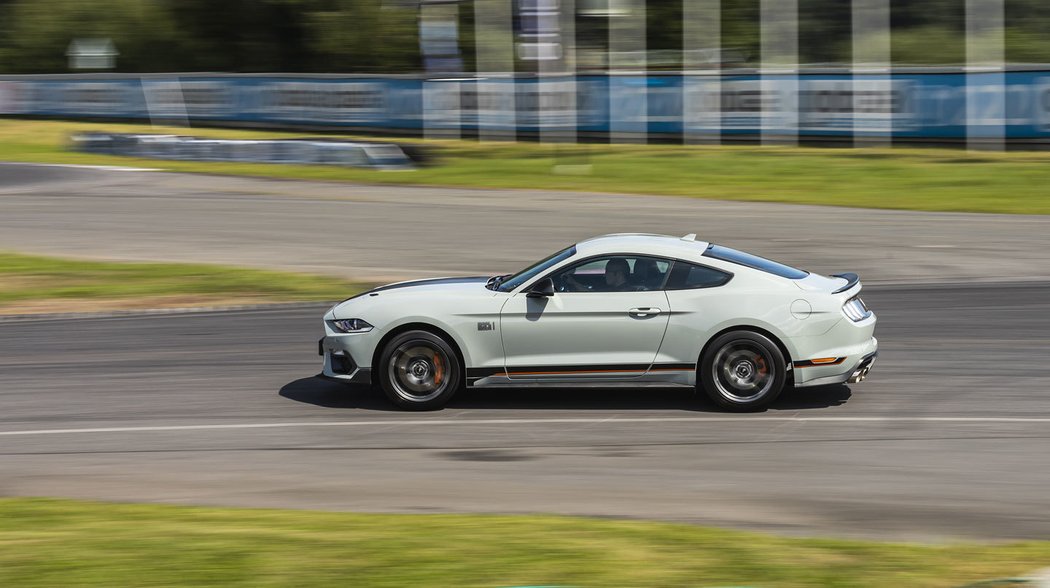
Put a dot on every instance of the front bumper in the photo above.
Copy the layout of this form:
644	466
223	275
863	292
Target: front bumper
339	364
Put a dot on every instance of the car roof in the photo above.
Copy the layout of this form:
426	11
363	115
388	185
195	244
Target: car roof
643	244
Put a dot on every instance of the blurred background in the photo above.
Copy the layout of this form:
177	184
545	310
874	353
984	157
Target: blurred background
933	71
383	36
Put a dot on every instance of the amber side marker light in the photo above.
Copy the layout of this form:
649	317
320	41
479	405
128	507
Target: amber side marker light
819	361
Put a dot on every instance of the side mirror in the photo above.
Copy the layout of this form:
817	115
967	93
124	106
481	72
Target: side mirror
541	289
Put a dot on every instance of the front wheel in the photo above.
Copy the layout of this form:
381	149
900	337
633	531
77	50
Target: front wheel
742	370
419	371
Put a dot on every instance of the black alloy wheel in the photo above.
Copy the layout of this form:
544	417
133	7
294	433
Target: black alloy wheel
742	370
419	370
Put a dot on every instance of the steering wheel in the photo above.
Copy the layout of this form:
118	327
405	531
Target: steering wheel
563	284
559	283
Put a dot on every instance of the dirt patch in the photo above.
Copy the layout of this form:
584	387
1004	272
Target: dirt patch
17	282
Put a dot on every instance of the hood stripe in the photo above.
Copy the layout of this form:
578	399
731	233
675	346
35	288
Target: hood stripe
425	282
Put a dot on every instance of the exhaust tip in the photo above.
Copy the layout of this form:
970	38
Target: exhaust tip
858	376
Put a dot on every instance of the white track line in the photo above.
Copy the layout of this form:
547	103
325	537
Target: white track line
528	421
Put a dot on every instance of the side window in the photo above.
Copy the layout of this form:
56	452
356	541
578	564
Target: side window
689	276
616	273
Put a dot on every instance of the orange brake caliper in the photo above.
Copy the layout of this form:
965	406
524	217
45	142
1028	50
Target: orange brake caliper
439	370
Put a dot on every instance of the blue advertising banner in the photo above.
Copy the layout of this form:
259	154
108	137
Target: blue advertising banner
917	105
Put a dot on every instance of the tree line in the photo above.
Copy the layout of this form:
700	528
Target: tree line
381	36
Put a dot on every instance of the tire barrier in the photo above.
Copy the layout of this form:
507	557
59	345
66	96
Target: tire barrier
385	156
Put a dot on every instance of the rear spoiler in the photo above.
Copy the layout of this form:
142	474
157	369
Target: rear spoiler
851	281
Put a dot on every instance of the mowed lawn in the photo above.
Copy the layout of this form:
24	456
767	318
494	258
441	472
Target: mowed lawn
45	542
902	178
30	283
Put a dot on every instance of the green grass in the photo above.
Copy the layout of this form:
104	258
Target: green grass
46	542
28	278
904	178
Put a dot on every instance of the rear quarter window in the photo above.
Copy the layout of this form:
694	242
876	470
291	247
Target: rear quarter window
689	276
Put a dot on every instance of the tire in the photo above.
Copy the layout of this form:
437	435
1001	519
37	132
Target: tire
742	371
419	370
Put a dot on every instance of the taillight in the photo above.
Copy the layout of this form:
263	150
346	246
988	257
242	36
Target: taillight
855	309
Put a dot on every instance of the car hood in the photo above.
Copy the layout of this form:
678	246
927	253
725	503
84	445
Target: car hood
434	287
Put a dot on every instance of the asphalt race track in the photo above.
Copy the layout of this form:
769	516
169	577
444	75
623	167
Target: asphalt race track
949	438
393	232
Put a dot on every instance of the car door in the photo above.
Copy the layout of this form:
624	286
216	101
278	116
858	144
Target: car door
597	325
700	300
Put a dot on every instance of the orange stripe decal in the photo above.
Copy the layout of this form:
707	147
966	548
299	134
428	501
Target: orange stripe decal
573	372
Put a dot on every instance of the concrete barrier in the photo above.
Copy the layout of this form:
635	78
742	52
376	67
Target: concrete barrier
297	151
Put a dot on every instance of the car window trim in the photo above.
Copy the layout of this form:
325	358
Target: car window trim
709	252
673	260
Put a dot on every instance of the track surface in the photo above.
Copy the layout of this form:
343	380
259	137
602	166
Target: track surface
949	438
389	232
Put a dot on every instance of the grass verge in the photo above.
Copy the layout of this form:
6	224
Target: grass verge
903	178
49	542
30	283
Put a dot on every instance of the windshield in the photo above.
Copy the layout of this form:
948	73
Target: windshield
533	270
754	261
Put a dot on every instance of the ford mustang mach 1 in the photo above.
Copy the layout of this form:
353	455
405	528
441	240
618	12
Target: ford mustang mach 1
617	310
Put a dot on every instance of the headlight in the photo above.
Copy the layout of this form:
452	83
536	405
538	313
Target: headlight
855	309
353	325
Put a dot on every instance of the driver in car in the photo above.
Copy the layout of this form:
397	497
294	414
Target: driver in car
616	272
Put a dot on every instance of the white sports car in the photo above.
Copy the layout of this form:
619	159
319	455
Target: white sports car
629	310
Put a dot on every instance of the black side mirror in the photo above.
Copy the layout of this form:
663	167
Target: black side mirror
542	289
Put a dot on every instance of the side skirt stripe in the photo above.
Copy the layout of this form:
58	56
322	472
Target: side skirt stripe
478	373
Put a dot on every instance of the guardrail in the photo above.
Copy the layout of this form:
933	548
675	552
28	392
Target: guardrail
912	103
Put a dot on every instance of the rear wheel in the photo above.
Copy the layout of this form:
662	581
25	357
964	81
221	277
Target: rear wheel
742	370
419	370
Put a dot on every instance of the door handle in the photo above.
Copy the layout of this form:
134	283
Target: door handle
644	312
